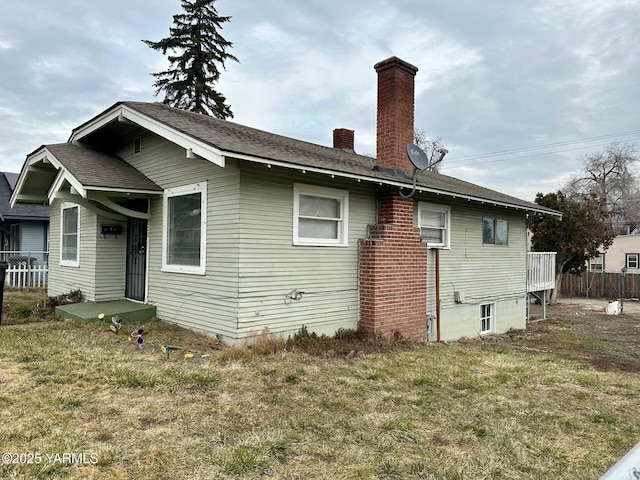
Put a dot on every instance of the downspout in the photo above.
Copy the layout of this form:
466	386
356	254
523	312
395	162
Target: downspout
437	294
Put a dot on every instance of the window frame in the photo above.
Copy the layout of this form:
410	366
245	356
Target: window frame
342	239
434	207
184	190
495	228
637	261
66	262
491	318
599	263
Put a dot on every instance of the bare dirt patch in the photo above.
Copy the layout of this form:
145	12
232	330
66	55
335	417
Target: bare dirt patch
581	330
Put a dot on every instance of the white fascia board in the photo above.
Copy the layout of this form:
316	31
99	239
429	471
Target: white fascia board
31	160
123	190
63	174
185	141
44	155
379	181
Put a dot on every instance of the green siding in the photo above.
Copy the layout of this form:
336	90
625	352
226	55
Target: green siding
252	264
208	302
63	279
482	273
110	262
271	266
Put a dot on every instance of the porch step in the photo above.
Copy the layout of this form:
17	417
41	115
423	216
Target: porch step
125	309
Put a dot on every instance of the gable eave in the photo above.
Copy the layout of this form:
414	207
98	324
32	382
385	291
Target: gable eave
124	113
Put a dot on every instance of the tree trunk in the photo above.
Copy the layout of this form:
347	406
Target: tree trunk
556	291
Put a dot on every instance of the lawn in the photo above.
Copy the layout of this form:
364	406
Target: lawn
470	410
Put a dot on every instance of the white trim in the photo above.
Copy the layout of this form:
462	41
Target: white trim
342	222
492	317
434	207
636	262
69	263
176	192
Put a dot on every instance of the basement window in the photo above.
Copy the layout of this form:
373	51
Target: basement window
320	216
434	222
487	320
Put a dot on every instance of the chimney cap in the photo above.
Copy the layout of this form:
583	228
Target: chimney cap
396	62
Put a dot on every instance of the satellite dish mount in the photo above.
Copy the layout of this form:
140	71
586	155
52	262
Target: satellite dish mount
420	163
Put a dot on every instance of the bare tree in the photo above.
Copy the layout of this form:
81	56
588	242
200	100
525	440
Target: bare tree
431	146
611	175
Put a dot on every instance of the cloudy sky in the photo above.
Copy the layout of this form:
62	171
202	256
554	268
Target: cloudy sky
516	90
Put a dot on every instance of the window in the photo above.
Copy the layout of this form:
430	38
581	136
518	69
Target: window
596	263
184	229
495	231
70	235
486	317
434	223
320	216
632	260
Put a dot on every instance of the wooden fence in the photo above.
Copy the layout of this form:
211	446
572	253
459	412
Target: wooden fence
600	285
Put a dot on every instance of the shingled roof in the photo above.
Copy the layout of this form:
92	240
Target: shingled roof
232	138
96	169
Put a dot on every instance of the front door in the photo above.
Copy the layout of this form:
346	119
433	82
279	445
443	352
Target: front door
136	259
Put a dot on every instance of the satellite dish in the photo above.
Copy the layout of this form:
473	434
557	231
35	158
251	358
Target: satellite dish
417	157
419	161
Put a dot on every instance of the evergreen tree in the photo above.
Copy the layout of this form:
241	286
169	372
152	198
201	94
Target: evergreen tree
197	50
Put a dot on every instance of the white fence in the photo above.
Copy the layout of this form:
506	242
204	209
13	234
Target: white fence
26	269
26	276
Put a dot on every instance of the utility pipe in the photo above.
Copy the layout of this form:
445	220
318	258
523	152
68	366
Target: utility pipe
437	294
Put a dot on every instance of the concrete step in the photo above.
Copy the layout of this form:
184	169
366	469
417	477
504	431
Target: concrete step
125	309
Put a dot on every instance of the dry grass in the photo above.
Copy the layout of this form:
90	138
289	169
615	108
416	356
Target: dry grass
272	410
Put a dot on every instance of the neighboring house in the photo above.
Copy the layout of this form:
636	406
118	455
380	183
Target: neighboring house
229	230
24	229
623	252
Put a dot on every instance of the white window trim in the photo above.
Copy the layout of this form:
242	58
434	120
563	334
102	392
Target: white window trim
343	223
637	260
492	318
76	262
176	192
447	223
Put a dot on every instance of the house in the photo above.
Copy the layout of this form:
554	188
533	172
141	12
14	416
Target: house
624	252
24	229
227	229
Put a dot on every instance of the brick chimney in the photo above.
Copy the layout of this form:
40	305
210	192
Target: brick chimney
393	258
396	79
343	139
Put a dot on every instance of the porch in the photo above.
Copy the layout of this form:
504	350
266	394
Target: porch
127	310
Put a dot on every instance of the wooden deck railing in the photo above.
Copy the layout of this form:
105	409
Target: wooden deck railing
541	271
